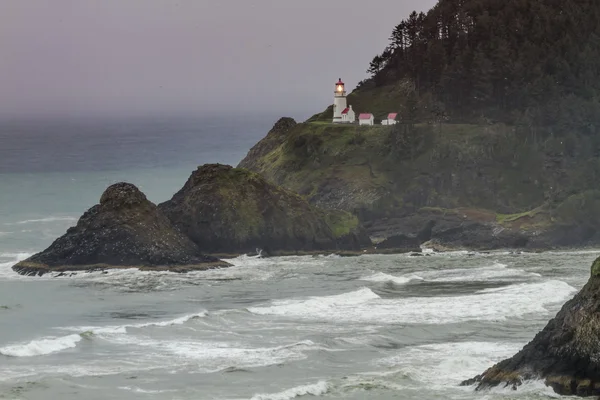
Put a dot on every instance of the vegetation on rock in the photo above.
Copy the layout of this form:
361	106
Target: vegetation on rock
229	210
385	173
528	62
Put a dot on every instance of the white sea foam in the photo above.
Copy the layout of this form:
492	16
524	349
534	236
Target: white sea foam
42	220
448	364
213	356
364	306
135	389
316	305
399	280
316	389
41	347
6	271
495	272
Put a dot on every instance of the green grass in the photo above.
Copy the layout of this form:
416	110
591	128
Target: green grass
596	267
507	218
341	223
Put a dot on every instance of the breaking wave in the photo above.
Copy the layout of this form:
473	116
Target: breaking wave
42	347
317	389
119	329
399	280
364	306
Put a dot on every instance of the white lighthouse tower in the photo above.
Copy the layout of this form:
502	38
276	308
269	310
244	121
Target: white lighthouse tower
339	102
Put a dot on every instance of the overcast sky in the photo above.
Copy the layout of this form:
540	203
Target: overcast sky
186	57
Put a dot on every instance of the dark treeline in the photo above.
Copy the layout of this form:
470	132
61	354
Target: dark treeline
525	62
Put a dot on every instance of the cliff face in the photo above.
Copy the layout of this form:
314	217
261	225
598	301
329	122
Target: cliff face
230	211
124	230
565	353
391	176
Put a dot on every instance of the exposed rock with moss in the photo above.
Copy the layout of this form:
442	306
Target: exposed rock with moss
124	231
566	353
228	210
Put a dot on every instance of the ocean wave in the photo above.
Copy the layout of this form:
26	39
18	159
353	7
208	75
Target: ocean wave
212	356
121	329
364	306
317	389
316	304
399	280
41	347
42	220
494	272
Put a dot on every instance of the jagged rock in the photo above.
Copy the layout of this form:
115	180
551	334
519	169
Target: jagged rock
228	210
125	230
566	353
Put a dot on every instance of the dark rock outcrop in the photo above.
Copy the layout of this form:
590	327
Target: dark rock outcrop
124	231
566	353
409	243
228	210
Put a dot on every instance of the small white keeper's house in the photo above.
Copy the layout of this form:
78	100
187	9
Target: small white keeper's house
366	119
392	119
348	115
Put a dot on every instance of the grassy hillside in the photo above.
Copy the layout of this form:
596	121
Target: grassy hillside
385	172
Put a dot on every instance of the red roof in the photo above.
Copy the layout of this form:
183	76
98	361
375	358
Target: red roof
365	116
340	82
345	110
392	115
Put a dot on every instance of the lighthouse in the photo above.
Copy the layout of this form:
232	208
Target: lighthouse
339	102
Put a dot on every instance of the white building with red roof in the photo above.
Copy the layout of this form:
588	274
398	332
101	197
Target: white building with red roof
366	119
392	119
348	115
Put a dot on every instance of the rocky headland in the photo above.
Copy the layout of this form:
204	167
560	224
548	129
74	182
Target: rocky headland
484	187
565	354
125	230
230	211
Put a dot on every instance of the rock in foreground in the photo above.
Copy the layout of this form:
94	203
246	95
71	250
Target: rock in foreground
566	353
124	231
227	210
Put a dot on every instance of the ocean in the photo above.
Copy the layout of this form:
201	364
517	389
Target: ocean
375	326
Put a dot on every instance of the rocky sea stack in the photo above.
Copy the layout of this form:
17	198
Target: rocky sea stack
124	231
566	353
227	210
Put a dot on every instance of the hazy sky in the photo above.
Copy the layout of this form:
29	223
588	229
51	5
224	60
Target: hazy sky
178	57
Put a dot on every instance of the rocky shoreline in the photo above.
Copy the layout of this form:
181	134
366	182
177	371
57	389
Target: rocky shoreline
565	354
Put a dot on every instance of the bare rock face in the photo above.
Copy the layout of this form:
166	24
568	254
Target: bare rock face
125	230
566	353
227	210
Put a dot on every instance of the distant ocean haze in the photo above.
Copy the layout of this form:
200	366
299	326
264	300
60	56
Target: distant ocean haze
52	171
